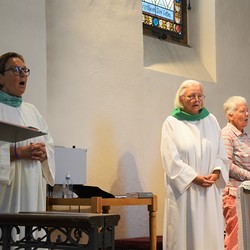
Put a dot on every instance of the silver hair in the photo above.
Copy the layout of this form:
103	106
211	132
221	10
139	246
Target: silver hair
231	104
182	89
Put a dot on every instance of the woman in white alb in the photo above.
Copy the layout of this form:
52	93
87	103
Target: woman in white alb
196	171
31	162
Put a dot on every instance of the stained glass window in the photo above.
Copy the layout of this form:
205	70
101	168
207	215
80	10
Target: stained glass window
165	18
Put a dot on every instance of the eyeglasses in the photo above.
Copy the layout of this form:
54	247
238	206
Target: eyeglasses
18	70
193	97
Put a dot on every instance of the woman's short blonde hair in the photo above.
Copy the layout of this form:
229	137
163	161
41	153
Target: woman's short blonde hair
182	89
231	104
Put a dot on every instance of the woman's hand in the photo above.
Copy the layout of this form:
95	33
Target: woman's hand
204	181
33	151
213	177
208	180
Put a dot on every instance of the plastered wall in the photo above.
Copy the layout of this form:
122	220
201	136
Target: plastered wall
100	94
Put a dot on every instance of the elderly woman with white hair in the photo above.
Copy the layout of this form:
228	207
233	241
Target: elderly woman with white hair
195	163
237	143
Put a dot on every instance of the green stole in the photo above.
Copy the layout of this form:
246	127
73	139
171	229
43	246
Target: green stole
13	101
180	115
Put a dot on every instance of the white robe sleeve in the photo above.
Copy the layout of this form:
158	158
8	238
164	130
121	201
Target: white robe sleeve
221	162
4	163
222	165
48	166
180	174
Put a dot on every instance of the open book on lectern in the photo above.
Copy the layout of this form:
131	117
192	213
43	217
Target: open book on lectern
10	132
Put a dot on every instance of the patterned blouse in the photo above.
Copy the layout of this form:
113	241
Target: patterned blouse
238	150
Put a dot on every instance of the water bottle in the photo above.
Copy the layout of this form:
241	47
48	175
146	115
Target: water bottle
68	186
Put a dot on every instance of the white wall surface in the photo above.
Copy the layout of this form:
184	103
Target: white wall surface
202	35
100	96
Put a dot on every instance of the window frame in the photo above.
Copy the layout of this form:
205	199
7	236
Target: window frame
166	35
